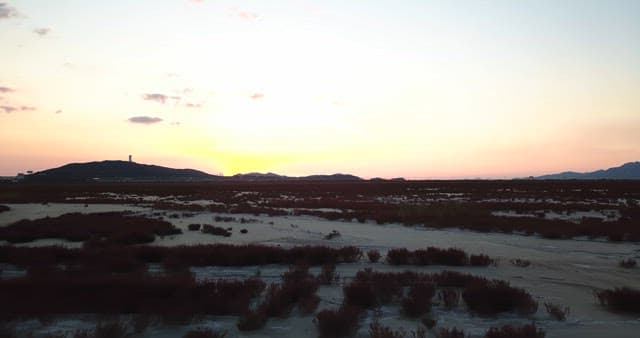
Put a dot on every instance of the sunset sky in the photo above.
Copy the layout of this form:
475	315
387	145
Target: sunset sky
420	89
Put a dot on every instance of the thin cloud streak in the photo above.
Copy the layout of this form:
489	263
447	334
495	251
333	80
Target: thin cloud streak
145	119
42	31
7	11
11	109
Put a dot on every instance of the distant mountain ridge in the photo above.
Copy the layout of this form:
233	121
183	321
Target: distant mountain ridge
123	171
627	171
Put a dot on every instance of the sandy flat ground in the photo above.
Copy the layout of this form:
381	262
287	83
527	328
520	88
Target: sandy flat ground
562	271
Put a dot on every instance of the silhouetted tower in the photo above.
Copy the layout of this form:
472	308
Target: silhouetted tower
130	158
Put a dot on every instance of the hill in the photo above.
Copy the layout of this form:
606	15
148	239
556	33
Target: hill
123	171
109	171
627	171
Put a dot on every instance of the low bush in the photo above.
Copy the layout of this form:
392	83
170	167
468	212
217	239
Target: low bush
509	331
171	296
373	255
97	229
620	299
556	311
418	300
214	230
194	227
195	255
481	260
628	263
298	288
342	322
493	297
436	256
205	333
4	208
360	294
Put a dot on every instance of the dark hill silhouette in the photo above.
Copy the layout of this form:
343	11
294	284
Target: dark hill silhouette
117	171
627	171
122	171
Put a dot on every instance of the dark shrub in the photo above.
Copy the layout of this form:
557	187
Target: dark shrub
205	333
449	298
251	321
170	296
342	322
480	260
437	256
418	301
97	229
451	333
4	208
373	255
627	263
360	294
556	311
244	231
399	257
620	299
214	230
194	227
493	297
508	331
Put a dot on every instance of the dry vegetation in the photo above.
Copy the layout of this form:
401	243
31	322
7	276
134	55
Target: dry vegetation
97	229
438	204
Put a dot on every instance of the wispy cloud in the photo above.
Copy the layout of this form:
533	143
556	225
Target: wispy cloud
42	31
156	97
145	119
256	96
59	111
7	11
193	105
11	109
6	90
247	15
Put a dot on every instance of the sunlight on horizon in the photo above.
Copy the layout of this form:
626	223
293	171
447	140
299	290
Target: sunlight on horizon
421	89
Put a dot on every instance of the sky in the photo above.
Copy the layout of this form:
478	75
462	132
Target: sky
385	88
